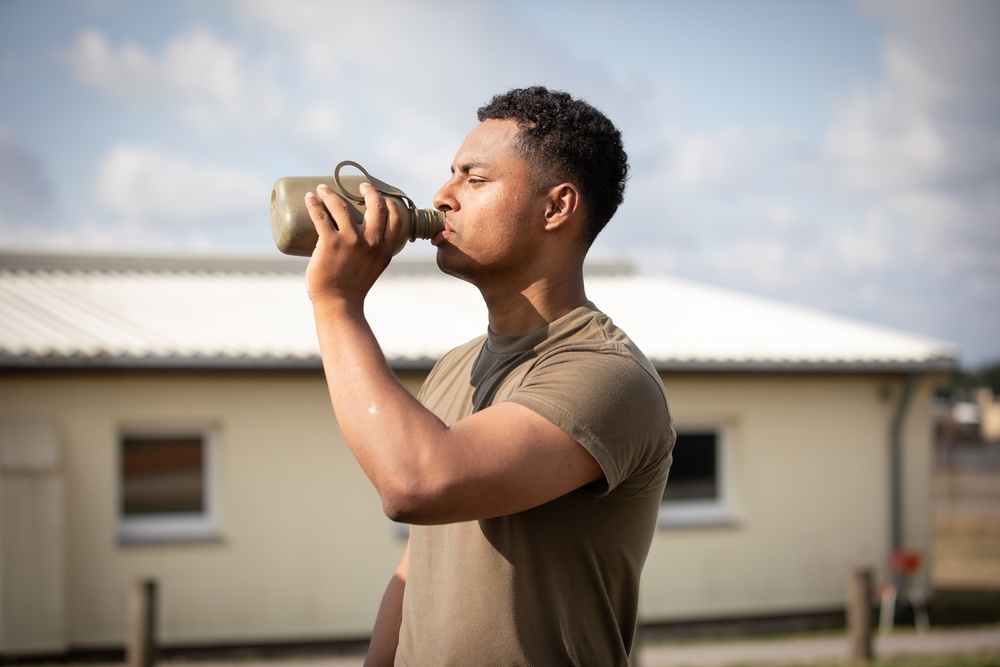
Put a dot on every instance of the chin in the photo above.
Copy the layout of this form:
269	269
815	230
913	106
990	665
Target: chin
447	268
456	269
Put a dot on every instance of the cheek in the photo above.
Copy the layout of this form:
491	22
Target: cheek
493	219
500	222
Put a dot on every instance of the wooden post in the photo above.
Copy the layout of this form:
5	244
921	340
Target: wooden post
859	614
141	639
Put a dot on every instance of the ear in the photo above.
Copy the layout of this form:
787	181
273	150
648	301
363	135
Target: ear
563	206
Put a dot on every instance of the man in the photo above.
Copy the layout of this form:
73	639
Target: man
533	464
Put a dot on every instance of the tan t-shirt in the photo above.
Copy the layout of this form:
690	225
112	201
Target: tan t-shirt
556	584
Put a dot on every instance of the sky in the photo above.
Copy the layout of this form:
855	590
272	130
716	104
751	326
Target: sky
840	155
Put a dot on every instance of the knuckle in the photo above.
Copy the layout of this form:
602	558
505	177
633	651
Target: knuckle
318	211
320	215
378	206
333	200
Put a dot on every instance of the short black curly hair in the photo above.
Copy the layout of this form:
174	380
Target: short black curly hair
570	141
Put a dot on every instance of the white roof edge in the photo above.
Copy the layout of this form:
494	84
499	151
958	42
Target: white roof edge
47	262
951	348
260	320
943	365
68	363
183	363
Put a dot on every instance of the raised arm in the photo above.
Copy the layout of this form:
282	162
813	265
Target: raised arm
501	460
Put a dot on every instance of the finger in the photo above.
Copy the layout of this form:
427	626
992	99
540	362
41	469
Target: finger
377	211
319	214
338	209
382	218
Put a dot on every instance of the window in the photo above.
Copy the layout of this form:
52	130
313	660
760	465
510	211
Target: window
165	482
696	492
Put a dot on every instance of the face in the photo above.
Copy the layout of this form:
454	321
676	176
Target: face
492	206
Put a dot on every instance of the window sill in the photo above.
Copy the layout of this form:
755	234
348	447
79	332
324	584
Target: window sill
166	541
696	515
152	532
684	524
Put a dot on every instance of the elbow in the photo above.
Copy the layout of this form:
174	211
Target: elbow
409	502
398	512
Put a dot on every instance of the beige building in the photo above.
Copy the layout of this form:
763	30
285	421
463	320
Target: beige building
169	419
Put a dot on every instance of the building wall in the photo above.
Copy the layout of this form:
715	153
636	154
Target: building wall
305	551
809	463
32	569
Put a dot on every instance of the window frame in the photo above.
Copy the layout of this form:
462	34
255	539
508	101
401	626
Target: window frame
716	512
178	527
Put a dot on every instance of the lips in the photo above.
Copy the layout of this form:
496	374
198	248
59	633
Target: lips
442	236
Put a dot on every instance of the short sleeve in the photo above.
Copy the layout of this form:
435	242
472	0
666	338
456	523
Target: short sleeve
607	401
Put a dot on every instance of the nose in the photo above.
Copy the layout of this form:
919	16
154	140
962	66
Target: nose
445	200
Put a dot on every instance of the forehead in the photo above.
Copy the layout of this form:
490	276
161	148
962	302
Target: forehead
489	144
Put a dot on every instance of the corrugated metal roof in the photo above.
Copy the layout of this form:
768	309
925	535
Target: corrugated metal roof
228	313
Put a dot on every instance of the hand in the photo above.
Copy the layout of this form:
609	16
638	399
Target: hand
349	258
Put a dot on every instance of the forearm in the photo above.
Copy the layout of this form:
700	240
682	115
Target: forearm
389	432
398	443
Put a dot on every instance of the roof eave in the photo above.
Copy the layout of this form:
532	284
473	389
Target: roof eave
917	366
194	363
85	363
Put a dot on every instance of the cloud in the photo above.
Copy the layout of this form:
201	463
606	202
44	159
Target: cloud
736	158
924	147
934	120
210	83
92	236
147	184
407	78
890	216
25	190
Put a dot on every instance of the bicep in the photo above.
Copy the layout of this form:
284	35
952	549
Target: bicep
501	460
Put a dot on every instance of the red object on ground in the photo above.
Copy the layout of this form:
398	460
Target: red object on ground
905	562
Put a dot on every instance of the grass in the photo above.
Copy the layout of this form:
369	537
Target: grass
974	660
963	660
948	657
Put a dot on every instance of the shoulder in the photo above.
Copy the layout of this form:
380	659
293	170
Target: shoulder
596	384
450	367
593	348
460	354
601	380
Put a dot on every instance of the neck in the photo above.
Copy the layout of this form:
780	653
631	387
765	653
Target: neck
519	308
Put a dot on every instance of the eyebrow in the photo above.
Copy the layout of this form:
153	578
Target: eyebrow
468	166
